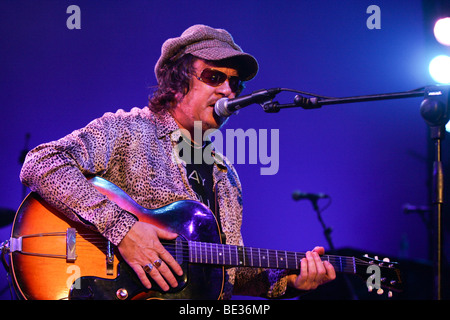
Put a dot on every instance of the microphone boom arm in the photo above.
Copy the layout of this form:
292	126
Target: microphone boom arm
317	101
435	111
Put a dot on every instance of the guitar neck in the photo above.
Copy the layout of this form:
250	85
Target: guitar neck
239	256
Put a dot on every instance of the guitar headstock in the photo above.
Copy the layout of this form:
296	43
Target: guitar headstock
380	274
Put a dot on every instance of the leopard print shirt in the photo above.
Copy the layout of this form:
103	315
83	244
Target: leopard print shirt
135	151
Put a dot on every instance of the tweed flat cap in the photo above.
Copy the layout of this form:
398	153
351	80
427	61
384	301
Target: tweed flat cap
210	44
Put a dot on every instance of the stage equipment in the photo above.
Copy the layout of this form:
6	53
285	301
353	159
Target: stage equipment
434	110
442	31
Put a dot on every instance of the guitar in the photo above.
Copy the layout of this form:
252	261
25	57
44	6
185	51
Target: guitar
53	257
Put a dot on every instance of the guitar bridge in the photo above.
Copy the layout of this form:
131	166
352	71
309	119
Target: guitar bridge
71	236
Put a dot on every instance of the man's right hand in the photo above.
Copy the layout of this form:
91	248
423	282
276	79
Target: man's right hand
141	246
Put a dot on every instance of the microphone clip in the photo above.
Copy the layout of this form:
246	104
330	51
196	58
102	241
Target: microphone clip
307	103
270	107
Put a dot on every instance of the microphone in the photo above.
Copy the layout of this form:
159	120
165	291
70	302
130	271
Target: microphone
298	195
225	107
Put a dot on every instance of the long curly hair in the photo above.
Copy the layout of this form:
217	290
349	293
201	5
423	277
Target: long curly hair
175	79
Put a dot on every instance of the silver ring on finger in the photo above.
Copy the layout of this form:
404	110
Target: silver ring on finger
148	268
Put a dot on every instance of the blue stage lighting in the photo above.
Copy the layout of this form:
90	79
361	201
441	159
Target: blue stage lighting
440	69
442	31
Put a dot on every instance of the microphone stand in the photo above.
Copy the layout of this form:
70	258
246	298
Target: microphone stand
435	111
326	230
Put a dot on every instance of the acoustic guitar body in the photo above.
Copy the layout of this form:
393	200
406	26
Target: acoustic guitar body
53	257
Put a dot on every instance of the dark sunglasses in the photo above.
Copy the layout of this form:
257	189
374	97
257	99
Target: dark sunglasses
215	78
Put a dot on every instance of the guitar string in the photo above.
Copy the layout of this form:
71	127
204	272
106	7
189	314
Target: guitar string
217	248
203	246
209	249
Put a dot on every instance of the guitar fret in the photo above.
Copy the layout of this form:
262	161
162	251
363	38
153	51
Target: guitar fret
263	259
253	257
238	257
276	256
201	254
222	253
217	253
293	261
212	257
212	260
271	259
354	265
209	253
241	255
260	259
217	257
195	251
192	253
232	255
287	259
259	256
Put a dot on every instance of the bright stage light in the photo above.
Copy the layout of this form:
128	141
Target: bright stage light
442	31
440	69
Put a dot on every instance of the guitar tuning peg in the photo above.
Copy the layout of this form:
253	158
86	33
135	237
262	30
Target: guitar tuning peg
386	260
380	291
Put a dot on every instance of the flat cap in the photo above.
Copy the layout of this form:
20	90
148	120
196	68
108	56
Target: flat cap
210	44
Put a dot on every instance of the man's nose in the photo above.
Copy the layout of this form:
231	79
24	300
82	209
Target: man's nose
225	90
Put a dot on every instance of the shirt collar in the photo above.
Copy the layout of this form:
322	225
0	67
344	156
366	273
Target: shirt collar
165	123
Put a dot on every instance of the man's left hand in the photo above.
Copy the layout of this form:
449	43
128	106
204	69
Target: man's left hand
313	271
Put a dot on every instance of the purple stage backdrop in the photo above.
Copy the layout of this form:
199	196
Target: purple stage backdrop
371	158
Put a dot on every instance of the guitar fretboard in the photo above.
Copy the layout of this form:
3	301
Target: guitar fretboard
239	256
